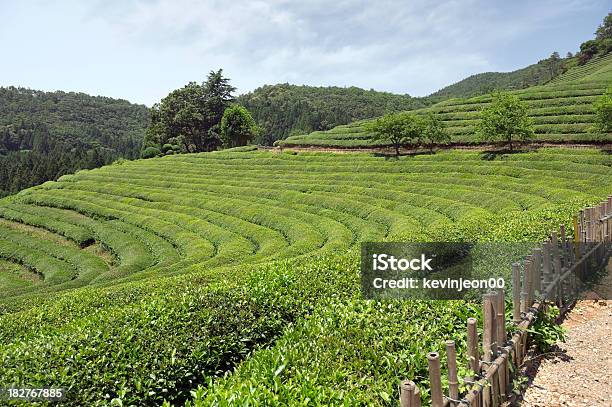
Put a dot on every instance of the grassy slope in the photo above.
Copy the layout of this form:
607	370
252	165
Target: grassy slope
562	111
189	291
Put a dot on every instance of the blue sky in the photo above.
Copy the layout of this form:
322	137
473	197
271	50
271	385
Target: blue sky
141	50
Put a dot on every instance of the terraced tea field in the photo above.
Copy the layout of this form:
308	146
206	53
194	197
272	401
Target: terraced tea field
143	280
562	111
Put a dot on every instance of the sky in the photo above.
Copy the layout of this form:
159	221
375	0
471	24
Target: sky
140	50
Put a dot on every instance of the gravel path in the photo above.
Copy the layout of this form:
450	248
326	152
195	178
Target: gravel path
581	374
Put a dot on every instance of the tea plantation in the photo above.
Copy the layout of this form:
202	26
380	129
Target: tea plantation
232	278
562	111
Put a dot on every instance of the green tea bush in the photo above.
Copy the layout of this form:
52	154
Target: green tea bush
217	258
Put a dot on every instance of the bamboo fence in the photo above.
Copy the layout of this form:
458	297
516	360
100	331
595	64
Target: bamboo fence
552	274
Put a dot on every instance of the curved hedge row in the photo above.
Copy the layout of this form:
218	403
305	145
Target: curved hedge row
212	257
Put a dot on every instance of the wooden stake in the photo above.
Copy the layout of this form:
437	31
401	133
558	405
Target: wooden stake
472	345
516	293
500	310
488	342
563	246
416	401
489	330
453	383
435	379
495	392
528	283
473	353
562	233
407	393
537	271
588	224
524	287
581	225
576	238
556	267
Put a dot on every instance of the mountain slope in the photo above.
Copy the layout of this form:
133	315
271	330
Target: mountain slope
532	75
562	111
285	109
44	135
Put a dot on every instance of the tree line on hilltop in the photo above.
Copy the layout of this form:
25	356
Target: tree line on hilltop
44	135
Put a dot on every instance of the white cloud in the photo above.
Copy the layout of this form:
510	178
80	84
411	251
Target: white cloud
142	49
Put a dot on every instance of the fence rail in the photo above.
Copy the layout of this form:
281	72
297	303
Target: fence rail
552	274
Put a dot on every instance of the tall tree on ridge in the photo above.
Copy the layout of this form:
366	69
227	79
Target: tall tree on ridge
190	116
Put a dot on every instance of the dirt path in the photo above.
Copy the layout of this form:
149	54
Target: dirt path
581	374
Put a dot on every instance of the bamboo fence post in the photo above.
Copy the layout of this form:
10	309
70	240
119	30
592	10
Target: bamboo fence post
565	257
500	309
594	224
473	353
576	237
566	284
537	271
581	224
604	224
489	347
516	293
524	293
489	330
581	242
410	395
435	379
546	268
416	401
556	267
523	344
609	221
501	317
587	223
528	284
453	383
472	344
563	241
593	220
600	224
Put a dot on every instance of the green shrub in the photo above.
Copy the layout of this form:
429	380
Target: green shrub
150	152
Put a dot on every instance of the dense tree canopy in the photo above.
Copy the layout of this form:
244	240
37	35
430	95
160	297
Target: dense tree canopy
44	135
188	119
505	119
237	126
282	110
600	45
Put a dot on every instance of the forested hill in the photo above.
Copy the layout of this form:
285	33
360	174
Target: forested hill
44	135
532	75
282	110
